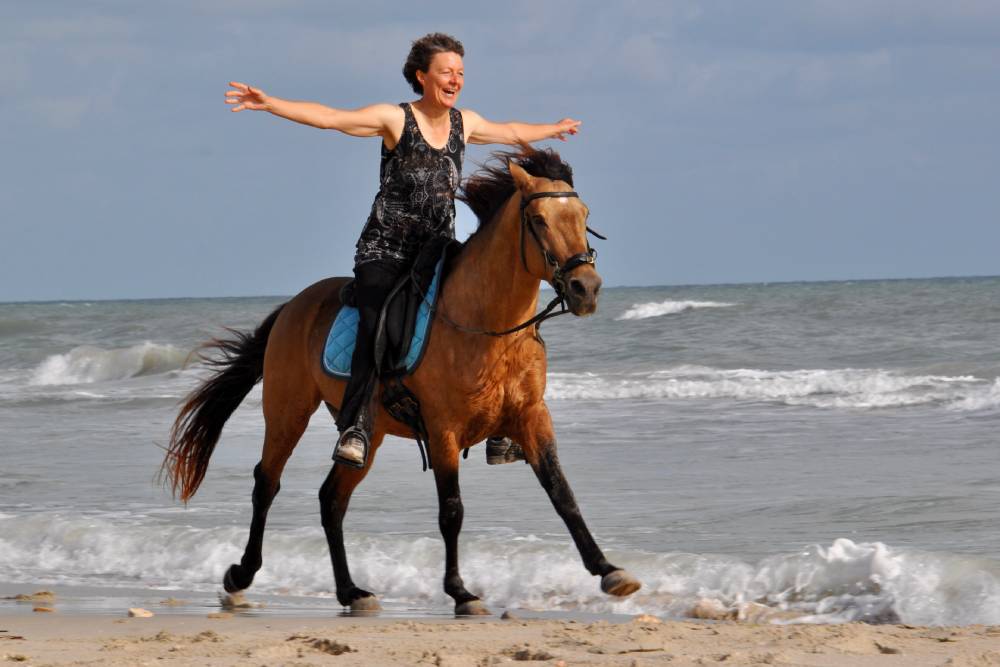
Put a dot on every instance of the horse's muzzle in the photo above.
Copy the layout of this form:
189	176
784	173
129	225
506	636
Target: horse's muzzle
581	291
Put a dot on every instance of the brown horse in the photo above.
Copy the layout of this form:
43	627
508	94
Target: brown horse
533	227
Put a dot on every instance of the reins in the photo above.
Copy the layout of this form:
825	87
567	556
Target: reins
559	272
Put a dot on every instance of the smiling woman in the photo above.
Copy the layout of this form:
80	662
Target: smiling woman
423	145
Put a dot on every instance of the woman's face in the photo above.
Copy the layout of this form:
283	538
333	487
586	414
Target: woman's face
443	79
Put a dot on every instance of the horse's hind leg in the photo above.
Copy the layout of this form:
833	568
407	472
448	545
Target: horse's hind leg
450	516
334	497
283	430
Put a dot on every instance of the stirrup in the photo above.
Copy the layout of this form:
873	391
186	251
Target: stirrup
346	452
501	449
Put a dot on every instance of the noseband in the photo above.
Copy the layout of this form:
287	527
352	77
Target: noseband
559	273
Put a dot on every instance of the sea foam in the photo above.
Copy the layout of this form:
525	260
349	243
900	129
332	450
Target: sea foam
642	311
845	581
982	400
821	388
87	364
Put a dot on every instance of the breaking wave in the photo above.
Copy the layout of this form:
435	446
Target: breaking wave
88	364
845	581
839	388
642	311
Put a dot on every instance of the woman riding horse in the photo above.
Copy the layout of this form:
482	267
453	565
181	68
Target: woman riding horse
483	371
423	144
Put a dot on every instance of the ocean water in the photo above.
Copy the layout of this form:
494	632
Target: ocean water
825	448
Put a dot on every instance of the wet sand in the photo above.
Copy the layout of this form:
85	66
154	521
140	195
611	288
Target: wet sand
227	638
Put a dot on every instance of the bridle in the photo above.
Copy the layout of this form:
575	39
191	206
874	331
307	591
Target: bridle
560	273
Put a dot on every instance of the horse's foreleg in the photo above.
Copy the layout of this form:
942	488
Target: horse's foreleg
539	445
450	515
334	497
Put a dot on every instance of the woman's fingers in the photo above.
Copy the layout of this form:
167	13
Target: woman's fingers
236	98
244	96
567	126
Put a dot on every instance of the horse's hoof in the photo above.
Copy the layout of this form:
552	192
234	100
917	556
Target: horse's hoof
472	608
367	603
620	583
236	580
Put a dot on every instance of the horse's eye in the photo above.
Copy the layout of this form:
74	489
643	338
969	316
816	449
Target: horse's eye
538	220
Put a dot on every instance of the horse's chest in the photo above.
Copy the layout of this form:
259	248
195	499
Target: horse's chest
518	381
475	393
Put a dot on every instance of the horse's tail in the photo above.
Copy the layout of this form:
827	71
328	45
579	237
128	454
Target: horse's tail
197	428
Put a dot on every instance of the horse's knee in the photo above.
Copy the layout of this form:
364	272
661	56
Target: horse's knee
543	457
326	491
335	494
328	500
451	513
452	507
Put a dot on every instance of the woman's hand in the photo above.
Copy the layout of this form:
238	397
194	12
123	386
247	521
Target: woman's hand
246	97
564	127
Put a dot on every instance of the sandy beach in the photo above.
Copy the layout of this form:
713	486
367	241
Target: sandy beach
226	638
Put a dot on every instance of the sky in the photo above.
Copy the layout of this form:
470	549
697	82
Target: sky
721	142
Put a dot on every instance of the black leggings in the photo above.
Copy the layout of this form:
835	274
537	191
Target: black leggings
373	282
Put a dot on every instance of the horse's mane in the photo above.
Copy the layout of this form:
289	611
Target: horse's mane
492	185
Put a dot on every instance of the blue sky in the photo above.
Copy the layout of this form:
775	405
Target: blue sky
721	142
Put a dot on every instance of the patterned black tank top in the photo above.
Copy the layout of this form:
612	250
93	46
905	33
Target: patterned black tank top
416	198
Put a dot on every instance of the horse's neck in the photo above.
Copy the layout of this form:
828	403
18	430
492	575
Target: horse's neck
490	287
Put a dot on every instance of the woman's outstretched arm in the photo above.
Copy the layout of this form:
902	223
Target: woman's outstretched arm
482	131
370	121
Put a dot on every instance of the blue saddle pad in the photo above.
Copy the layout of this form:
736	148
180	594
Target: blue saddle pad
340	341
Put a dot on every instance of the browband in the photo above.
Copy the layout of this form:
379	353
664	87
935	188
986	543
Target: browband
538	195
526	199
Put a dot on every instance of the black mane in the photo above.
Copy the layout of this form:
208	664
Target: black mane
490	187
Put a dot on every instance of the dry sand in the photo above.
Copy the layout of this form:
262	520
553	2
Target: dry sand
237	639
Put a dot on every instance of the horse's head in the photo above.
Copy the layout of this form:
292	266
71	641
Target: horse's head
554	239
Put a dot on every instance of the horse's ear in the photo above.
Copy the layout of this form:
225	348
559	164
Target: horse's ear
522	179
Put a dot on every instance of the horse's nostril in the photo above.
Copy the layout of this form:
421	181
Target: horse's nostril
577	287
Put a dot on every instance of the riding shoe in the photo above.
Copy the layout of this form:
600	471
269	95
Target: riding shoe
501	449
352	448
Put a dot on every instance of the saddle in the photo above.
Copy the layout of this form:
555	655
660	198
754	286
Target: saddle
401	335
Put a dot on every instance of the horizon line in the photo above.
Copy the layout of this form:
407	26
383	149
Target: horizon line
545	287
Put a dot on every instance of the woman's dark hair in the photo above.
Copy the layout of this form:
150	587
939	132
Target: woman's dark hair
423	51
